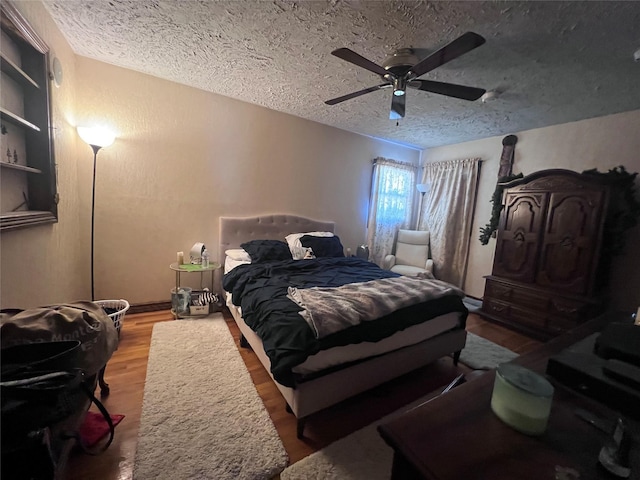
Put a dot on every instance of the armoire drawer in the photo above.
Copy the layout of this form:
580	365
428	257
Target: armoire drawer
529	318
495	307
529	321
568	309
517	295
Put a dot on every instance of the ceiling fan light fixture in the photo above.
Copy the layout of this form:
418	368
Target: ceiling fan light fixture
399	86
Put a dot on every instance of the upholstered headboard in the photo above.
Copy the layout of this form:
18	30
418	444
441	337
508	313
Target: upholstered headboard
237	230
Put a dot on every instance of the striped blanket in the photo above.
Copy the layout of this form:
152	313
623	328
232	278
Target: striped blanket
329	310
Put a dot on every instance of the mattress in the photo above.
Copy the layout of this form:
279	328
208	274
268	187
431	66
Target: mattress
340	355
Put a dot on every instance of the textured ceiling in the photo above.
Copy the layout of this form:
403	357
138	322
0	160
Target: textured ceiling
553	62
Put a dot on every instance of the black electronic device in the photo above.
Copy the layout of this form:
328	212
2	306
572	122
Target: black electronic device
604	366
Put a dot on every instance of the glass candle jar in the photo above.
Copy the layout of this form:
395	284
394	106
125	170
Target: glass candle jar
522	399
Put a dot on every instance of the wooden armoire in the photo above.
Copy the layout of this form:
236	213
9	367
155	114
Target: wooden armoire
545	278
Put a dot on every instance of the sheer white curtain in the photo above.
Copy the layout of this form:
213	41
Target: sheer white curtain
447	213
391	205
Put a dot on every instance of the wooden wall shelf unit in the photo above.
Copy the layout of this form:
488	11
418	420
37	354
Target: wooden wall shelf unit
16	72
545	277
29	192
14	166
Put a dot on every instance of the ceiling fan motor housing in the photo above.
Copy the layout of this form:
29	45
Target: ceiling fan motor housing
400	62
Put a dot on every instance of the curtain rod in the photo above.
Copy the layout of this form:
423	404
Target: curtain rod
391	160
479	160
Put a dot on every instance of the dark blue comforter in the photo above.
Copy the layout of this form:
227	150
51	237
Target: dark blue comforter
261	290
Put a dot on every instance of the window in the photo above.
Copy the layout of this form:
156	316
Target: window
395	194
391	205
28	191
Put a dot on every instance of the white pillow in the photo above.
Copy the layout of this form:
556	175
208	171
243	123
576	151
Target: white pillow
293	239
230	264
238	254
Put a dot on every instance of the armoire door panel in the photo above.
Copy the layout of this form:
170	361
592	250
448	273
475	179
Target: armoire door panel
519	237
570	240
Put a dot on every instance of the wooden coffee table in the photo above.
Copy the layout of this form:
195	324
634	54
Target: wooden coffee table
456	436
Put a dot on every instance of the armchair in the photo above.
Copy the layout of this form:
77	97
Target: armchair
411	254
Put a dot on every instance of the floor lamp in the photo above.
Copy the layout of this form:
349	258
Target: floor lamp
97	138
422	188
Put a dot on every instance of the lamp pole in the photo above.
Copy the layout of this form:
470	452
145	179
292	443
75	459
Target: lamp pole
95	149
422	188
96	138
419	210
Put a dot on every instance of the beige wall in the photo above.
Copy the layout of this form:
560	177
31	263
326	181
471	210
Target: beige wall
49	264
182	158
601	143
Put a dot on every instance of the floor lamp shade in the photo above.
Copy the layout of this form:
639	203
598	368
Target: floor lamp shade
423	187
97	138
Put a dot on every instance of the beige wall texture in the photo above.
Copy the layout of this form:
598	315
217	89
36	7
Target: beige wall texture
48	264
182	158
601	143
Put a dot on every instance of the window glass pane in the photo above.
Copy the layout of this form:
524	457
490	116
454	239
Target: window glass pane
395	195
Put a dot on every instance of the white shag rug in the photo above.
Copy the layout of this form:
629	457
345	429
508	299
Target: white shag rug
363	455
202	417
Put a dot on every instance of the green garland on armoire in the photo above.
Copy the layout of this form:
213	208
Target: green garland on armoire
486	232
623	214
624	208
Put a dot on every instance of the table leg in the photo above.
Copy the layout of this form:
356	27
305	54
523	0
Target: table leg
104	386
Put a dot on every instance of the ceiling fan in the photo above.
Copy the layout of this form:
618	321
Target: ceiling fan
403	69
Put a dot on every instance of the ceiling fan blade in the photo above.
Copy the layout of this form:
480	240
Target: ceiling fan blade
448	89
397	107
333	101
461	45
359	60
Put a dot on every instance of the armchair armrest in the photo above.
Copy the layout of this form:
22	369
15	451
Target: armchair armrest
388	262
429	266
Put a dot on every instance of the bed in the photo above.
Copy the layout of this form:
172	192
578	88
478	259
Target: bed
339	369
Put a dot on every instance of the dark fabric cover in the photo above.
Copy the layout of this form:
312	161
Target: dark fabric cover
267	250
84	321
323	246
261	291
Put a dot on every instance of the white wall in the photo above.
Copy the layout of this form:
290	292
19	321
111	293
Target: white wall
601	143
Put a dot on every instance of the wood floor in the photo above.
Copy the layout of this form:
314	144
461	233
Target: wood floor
126	373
